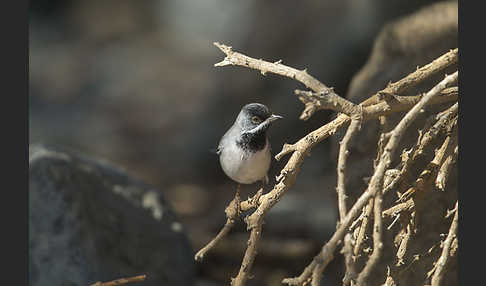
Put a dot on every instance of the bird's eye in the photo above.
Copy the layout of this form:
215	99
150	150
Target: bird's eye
256	119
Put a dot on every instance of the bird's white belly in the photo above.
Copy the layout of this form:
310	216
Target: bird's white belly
245	167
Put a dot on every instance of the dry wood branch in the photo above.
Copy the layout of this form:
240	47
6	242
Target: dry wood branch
327	252
121	281
375	183
315	101
347	251
402	103
232	212
409	199
341	168
377	241
389	279
406	235
446	247
238	59
425	180
424	142
416	193
451	158
446	168
421	74
341	191
446	60
323	98
362	229
248	259
377	178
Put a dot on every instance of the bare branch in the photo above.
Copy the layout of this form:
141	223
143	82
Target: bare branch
315	101
377	242
402	103
238	59
341	191
341	168
406	235
347	251
232	212
441	63
375	183
363	226
443	259
451	158
249	257
426	178
424	141
121	281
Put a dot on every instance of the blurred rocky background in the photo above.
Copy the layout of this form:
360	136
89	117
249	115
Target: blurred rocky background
133	83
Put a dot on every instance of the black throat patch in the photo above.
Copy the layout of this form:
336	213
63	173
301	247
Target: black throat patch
252	142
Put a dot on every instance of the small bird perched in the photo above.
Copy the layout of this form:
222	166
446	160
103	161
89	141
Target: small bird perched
244	150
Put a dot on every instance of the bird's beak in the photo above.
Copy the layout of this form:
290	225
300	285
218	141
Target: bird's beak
274	117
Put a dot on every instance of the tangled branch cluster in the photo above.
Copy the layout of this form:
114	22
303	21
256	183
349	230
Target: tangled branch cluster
352	226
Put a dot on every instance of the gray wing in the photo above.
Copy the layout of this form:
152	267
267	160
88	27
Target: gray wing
232	132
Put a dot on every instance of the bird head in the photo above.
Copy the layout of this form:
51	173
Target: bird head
255	118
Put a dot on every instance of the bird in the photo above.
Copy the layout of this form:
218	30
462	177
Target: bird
244	150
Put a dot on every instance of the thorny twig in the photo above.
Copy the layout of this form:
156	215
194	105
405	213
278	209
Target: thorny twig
347	251
121	281
362	229
424	142
232	211
452	153
341	190
446	247
377	241
375	183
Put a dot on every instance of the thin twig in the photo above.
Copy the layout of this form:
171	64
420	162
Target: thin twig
362	228
232	212
377	242
426	178
249	258
424	142
238	59
443	259
353	128
341	168
347	251
406	235
408	209
314	101
408	200
121	281
451	158
438	65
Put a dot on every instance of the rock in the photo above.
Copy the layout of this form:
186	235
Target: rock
89	222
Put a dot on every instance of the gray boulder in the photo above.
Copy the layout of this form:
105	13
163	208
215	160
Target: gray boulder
90	222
